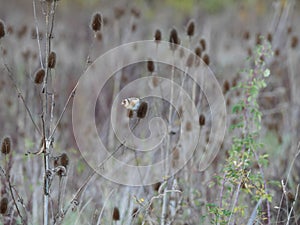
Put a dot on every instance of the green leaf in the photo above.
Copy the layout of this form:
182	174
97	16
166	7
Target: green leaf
267	73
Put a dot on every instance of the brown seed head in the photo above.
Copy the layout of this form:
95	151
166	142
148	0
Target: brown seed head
150	66
246	35
157	36
116	214
52	60
294	42
64	160
277	52
96	22
174	39
2	29
6	146
206	59
198	51
190	28
3	205
289	30
201	120
142	111
190	60
203	44
130	113
39	76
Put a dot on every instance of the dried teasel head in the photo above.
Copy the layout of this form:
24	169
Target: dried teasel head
174	39
150	65
206	59
157	36
52	60
198	51
3	205
2	29
201	120
294	42
116	214
142	111
39	76
96	22
190	28
6	146
203	44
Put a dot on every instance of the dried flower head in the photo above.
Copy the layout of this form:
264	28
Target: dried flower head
142	111
190	28
201	120
39	76
174	39
133	27
6	146
198	51
3	205
64	160
157	36
289	30
203	44
96	22
150	66
116	214
206	59
294	42
52	60
2	29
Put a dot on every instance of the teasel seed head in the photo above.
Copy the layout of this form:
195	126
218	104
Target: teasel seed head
52	60
201	120
190	28
203	44
269	37
174	39
6	146
157	36
116	214
133	27
96	22
289	30
2	29
3	205
39	76
294	42
142	111
198	51
190	60
226	87
206	59
150	65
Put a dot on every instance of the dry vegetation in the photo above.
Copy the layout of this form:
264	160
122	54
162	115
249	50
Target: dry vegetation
45	46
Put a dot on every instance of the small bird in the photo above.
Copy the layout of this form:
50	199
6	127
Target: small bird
132	103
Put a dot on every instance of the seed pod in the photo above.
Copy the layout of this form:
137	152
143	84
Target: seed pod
201	120
142	111
190	28
116	214
294	42
174	39
96	22
64	160
150	66
39	76
6	146
52	60
203	44
198	51
157	36
3	205
2	29
206	59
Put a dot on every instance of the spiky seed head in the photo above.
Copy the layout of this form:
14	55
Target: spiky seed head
142	110
116	214
96	22
6	146
226	87
203	44
2	29
190	28
174	39
157	36
52	60
294	42
39	76
3	205
201	120
206	59
150	66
